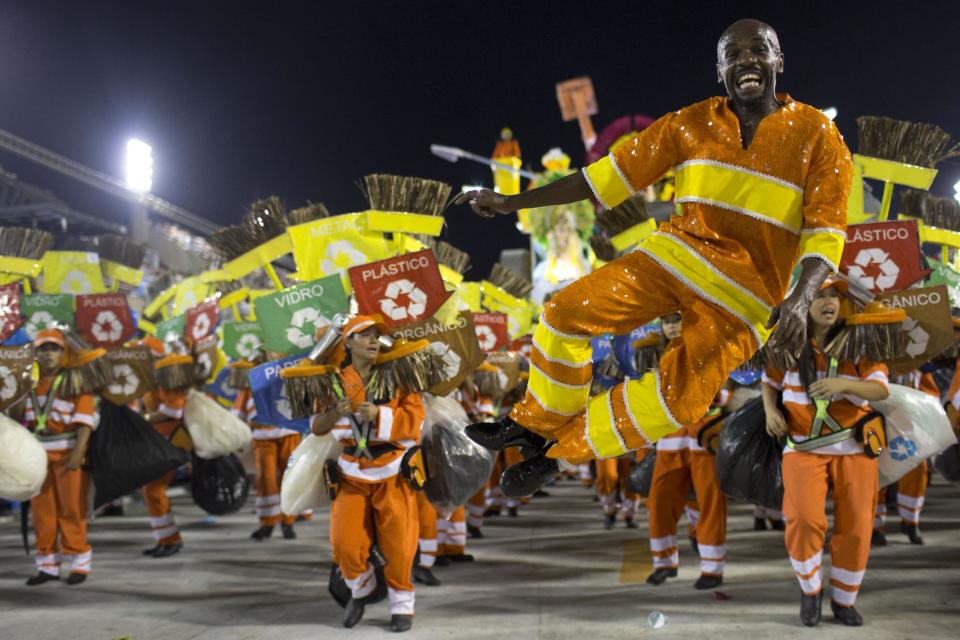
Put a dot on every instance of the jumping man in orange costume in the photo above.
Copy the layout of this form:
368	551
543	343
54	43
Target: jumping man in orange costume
761	186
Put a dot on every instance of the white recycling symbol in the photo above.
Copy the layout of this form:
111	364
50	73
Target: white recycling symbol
486	337
125	380
39	320
513	325
107	327
889	271
451	359
201	326
341	254
8	382
247	345
205	365
76	282
919	338
283	404
416	300
307	318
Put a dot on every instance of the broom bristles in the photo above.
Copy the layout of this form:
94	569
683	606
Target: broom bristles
629	213
451	257
86	378
313	211
876	342
118	249
23	242
941	212
176	377
913	143
311	394
265	220
409	194
411	373
603	248
510	281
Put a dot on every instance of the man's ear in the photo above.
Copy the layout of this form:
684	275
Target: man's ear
719	74
780	63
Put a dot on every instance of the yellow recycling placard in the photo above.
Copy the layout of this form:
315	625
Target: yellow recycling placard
333	245
74	272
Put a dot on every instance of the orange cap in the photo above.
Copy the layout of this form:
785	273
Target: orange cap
54	336
837	283
357	324
157	348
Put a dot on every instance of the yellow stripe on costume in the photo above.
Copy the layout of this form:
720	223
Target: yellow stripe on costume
748	192
826	243
606	182
600	429
646	411
698	274
571	351
563	399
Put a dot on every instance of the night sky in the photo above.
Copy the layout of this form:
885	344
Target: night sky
241	100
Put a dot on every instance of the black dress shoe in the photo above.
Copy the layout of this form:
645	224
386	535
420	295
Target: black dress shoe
778	525
609	521
400	623
512	512
76	577
525	477
111	511
424	576
262	533
152	550
694	545
502	434
540	493
288	532
659	576
878	539
759	524
911	531
167	550
40	578
491	513
810	609
352	613
846	615
474	532
705	582
631	523
459	557
441	561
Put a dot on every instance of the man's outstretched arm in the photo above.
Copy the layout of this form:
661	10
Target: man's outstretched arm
487	203
790	316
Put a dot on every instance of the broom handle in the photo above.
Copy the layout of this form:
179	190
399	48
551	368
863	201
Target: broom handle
27	290
885	203
236	314
273	276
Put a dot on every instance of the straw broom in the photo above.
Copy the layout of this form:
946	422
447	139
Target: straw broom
118	249
22	242
311	388
85	369
913	143
647	352
602	247
874	333
629	213
408	367
407	194
313	211
176	372
511	282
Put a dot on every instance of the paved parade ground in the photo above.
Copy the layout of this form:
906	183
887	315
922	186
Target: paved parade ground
552	572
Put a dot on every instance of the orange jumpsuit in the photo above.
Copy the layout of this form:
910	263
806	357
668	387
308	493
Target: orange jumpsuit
272	448
911	488
612	475
374	501
428	520
746	217
61	506
682	462
809	475
170	404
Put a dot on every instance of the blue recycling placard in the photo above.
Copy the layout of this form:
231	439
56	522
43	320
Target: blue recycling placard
623	348
221	388
270	396
602	349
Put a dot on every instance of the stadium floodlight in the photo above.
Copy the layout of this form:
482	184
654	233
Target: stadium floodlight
956	191
139	166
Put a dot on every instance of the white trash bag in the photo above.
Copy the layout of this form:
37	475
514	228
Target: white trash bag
214	429
23	462
303	487
917	428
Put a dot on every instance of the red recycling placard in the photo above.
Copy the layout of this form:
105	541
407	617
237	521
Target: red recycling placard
883	256
523	345
403	290
201	320
104	319
491	329
9	309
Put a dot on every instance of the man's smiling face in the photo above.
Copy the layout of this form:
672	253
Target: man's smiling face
748	61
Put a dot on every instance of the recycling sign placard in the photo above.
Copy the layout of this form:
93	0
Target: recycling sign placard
928	329
241	339
290	320
270	396
104	318
201	320
132	374
404	289
44	309
9	310
16	363
883	256
456	343
170	329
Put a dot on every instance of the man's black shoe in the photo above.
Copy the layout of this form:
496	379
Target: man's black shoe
705	582
609	521
502	434
352	613
400	623
759	524
810	609
512	512
474	532
167	550
878	539
40	578
912	532
288	532
846	615
659	576
459	557
492	512
694	545
778	525
152	550
262	533
76	577
423	575
441	561
631	523
525	477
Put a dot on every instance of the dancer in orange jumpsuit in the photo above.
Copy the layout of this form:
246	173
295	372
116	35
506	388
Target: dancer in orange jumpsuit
63	426
373	500
761	186
823	454
912	487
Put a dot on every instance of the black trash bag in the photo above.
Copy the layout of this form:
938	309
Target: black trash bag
748	460
219	485
947	463
456	466
125	453
641	475
341	592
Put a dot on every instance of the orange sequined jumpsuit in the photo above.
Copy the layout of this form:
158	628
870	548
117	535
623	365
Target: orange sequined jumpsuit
744	218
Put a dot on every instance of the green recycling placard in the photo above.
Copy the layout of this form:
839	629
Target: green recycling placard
171	328
41	310
241	339
290	319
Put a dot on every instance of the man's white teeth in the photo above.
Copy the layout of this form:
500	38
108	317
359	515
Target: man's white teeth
749	80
